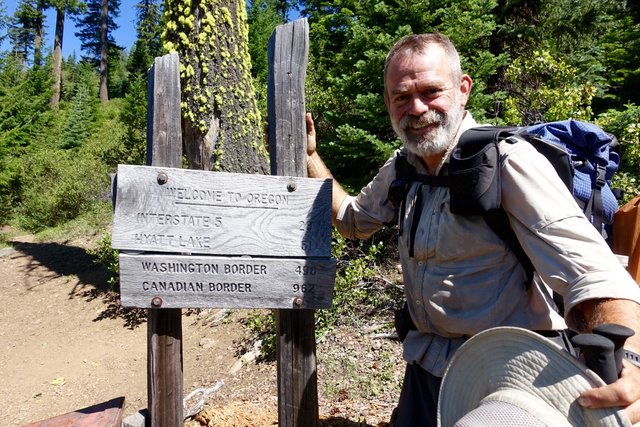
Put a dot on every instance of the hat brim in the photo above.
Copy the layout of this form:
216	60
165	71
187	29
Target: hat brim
507	358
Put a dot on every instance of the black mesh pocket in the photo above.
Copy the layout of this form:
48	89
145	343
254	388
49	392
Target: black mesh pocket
474	179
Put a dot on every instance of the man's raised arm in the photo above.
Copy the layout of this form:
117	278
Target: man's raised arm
317	169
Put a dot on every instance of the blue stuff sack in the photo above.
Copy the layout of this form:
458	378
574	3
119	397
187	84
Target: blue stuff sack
595	156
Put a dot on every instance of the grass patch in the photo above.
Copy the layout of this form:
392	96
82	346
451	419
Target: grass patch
7	234
89	224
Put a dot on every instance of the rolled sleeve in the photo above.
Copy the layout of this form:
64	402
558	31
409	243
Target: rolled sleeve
566	250
359	217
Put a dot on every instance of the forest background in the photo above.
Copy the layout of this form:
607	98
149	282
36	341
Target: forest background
66	123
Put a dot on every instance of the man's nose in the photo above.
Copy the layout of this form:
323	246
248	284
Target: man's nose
418	106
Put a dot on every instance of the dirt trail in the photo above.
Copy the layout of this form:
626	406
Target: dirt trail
65	343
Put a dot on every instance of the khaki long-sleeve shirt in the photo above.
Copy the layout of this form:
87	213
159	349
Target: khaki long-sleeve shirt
463	278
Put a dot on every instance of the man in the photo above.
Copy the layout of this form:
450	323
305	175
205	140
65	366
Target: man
460	277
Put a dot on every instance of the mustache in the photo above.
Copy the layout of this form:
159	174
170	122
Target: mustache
427	118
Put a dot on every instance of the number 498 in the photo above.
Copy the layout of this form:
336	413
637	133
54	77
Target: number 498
306	270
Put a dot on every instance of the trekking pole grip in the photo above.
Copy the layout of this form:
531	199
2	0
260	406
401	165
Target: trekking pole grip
598	354
618	334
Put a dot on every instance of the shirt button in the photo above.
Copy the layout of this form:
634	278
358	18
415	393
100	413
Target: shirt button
420	263
418	302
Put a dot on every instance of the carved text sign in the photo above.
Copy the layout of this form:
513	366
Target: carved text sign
187	211
207	281
210	239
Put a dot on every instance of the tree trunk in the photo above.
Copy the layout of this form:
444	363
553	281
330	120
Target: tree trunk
104	48
57	57
221	123
38	36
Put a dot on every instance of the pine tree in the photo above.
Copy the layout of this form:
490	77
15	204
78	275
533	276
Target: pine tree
26	30
621	50
147	45
81	118
4	21
96	28
62	8
24	117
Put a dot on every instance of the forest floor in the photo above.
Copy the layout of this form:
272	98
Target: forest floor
66	343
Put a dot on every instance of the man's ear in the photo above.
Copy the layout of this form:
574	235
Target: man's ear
465	88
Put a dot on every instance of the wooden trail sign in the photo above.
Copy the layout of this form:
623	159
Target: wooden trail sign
170	281
283	221
295	329
199	212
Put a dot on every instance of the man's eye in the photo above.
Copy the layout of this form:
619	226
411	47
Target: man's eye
432	92
400	99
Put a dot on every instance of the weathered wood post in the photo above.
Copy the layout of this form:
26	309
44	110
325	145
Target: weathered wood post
164	327
295	329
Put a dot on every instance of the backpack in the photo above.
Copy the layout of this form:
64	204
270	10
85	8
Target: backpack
584	156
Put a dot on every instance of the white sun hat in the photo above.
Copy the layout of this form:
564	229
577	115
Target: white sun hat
514	377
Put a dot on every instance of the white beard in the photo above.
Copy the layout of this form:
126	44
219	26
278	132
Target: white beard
435	141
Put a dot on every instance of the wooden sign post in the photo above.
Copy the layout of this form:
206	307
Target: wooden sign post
164	327
296	343
211	239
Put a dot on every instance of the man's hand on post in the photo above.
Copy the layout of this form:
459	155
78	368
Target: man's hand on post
311	135
317	169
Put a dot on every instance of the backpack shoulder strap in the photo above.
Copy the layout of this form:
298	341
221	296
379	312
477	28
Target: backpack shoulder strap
406	174
474	170
475	185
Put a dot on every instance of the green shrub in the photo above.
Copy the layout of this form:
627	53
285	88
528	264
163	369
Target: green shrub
625	125
57	186
261	325
9	188
106	256
543	88
107	141
361	293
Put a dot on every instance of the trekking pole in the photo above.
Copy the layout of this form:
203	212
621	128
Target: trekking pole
603	349
618	334
598	355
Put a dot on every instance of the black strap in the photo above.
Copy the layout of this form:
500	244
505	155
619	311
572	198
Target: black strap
417	212
594	211
406	174
498	221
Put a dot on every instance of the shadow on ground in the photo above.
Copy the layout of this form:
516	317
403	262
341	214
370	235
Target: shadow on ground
67	260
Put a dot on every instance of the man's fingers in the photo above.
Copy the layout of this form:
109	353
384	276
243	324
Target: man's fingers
633	412
311	128
625	393
602	397
311	134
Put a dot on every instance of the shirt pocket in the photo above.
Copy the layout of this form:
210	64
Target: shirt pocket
467	241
